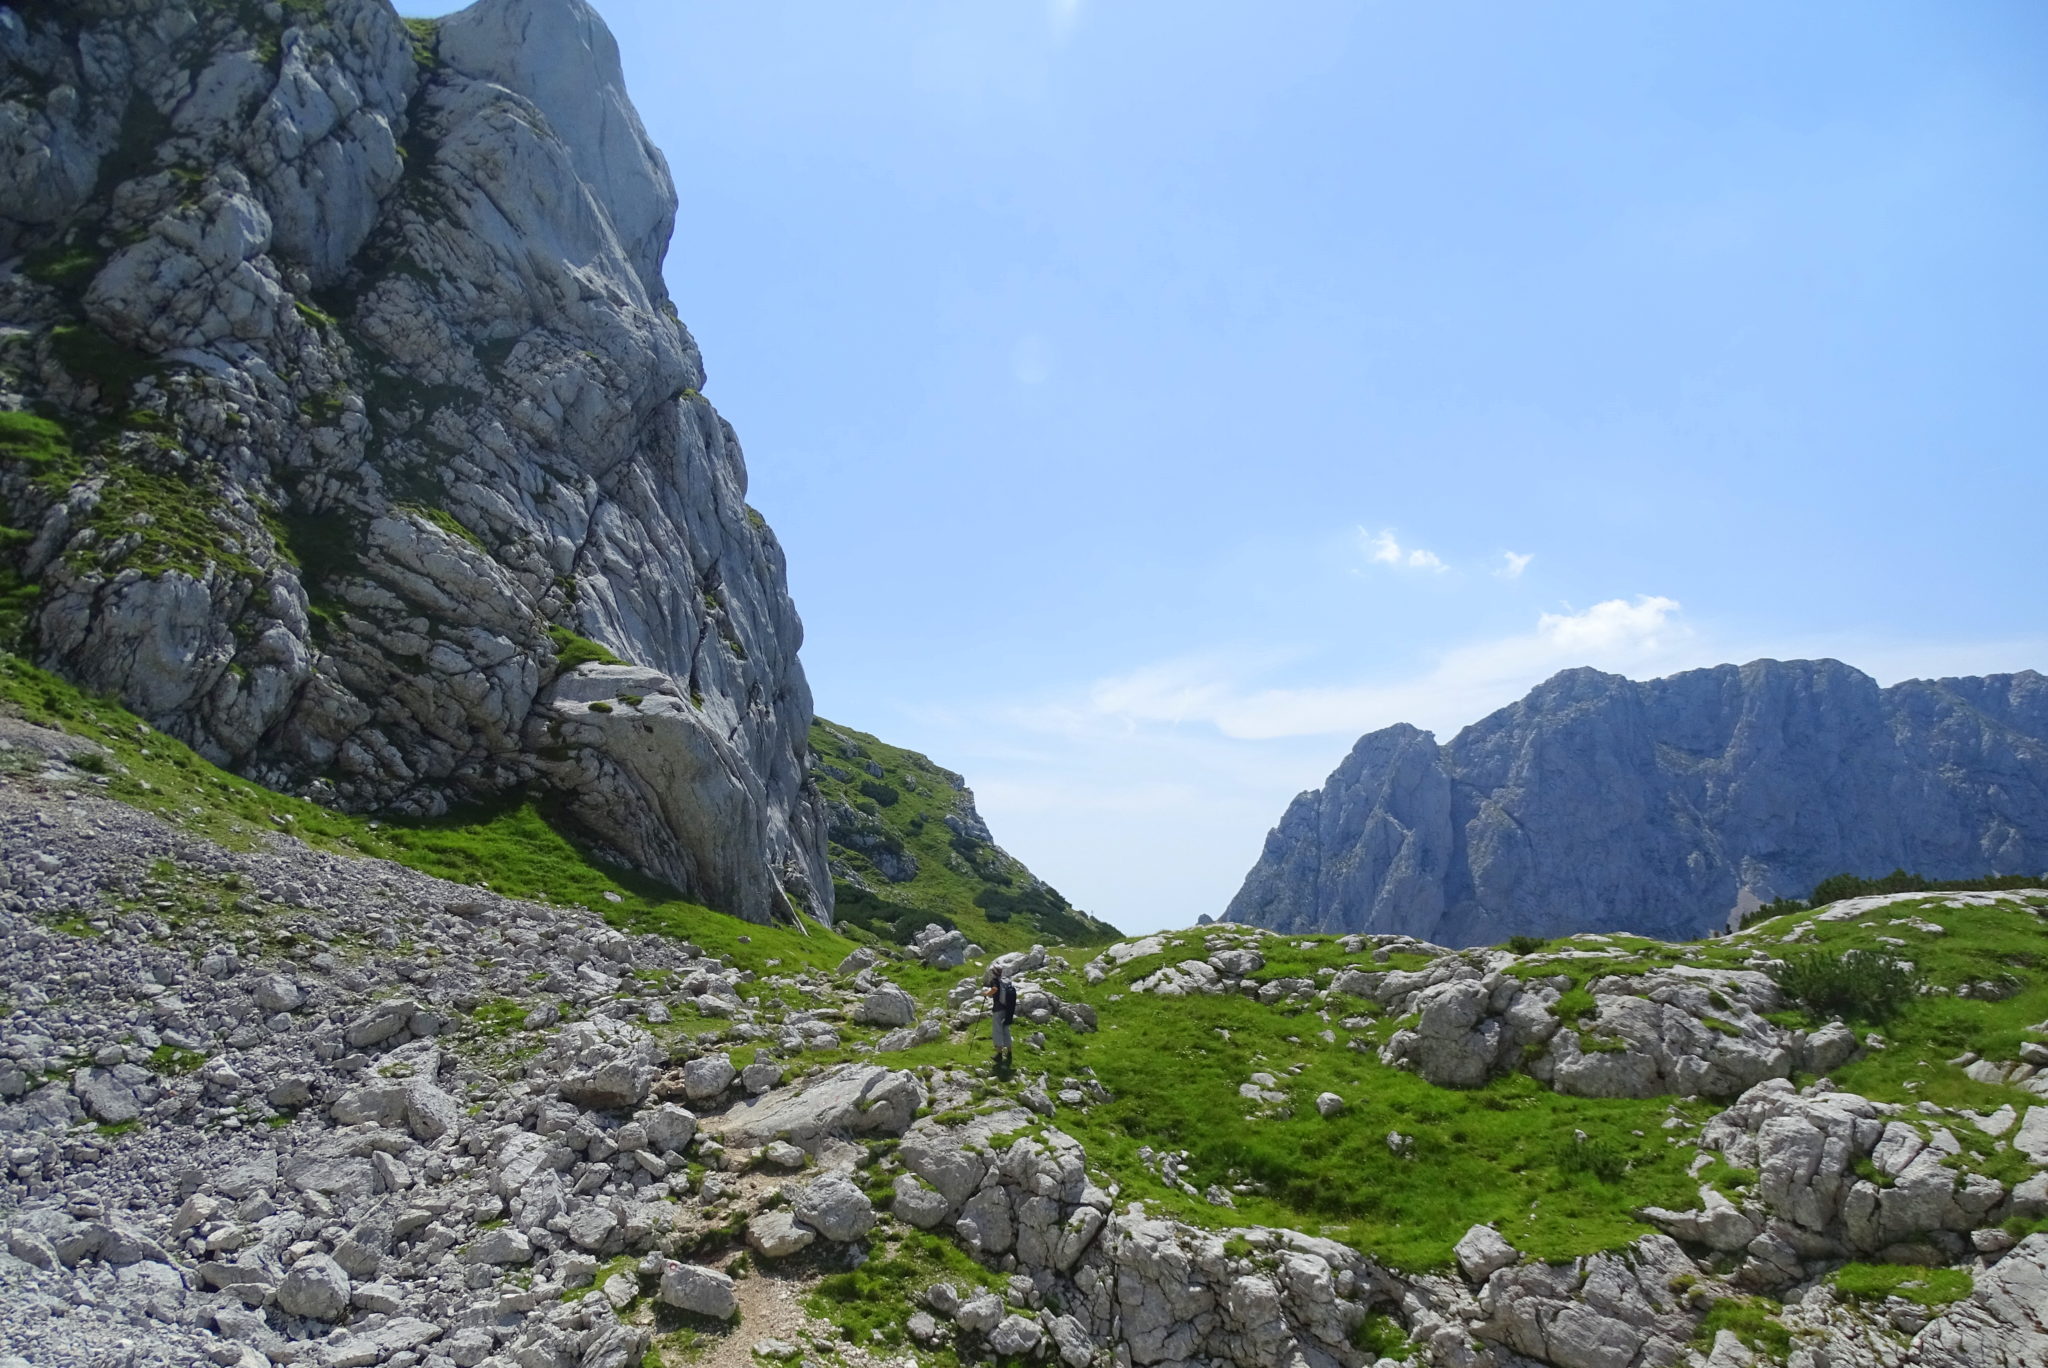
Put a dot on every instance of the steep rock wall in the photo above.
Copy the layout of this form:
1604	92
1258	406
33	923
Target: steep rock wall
1599	803
368	412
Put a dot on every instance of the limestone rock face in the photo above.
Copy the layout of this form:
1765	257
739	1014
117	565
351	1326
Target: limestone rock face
400	411
1662	807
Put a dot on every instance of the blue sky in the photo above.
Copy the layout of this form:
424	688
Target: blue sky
1152	397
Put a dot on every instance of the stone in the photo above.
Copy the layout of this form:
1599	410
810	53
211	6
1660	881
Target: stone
467	1348
379	1022
834	1207
277	993
2031	1139
862	957
776	1234
1329	1104
1237	963
940	948
847	1099
782	1154
591	1227
1015	1336
886	1005
699	1290
979	1314
668	1128
500	1246
919	1204
315	1288
1482	1251
602	1064
105	1097
707	1076
1070	1337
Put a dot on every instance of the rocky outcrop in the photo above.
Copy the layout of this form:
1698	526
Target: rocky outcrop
372	415
349	1114
1663	807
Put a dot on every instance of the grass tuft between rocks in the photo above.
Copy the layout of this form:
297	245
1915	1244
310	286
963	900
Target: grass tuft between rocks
1930	1287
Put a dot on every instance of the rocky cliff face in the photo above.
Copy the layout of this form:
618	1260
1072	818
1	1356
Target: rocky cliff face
370	458
1599	803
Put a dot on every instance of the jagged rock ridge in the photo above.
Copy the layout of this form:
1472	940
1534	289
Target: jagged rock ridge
1663	806
910	850
366	412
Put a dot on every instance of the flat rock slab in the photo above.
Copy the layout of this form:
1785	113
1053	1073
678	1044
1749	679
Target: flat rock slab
852	1099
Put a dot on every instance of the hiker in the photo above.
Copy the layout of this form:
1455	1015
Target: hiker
1003	1009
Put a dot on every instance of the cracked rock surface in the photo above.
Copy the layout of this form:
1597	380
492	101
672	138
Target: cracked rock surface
380	412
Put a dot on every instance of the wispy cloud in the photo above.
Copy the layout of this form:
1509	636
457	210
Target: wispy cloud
1382	548
1513	563
1461	686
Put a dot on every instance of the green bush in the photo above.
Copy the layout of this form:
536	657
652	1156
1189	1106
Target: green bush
1842	886
1525	945
1777	907
1855	985
1597	1156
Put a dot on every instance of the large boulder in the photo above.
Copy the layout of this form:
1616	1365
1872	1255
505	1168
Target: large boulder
602	1064
834	1207
316	1288
938	947
886	1005
699	1290
776	1234
847	1099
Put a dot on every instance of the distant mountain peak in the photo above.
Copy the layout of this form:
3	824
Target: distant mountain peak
1662	806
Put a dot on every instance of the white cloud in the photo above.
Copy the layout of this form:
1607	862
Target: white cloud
1463	685
1607	627
1384	549
1513	563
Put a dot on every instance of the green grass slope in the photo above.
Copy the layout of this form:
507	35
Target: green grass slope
1407	1167
512	849
908	848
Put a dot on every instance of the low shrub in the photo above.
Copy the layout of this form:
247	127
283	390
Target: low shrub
1855	985
1597	1156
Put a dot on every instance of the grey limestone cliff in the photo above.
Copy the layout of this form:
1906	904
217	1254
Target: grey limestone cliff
1663	806
364	410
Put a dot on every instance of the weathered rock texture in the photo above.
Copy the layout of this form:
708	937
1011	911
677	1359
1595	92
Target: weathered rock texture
370	400
1601	803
